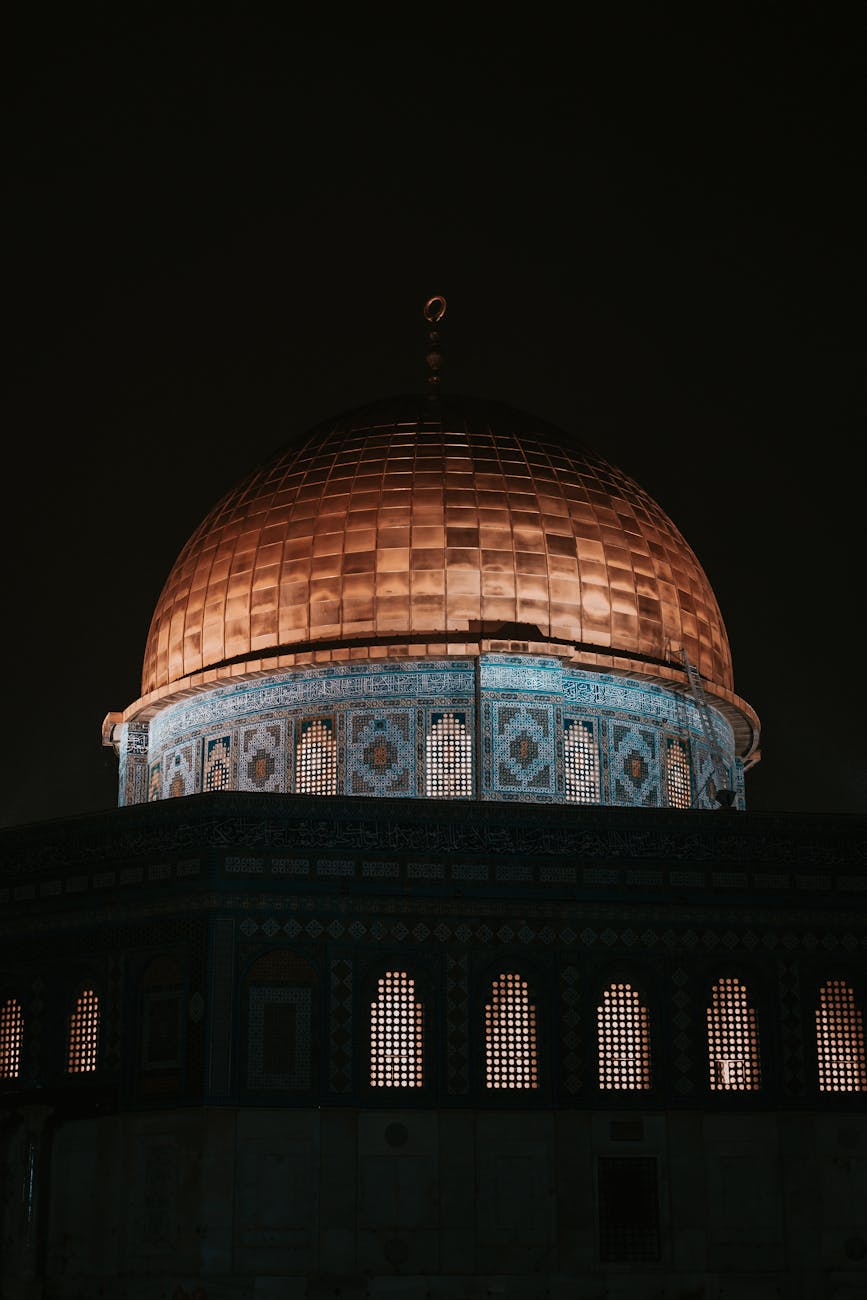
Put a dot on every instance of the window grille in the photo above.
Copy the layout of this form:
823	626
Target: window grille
11	1035
316	758
581	757
840	1039
510	1035
732	1039
677	775
628	1209
396	1033
218	766
448	758
83	1034
624	1039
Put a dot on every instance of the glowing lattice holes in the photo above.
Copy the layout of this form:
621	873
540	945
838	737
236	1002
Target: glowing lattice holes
840	1039
732	1039
83	1034
11	1035
316	758
581	763
678	776
396	1033
448	758
624	1039
510	1035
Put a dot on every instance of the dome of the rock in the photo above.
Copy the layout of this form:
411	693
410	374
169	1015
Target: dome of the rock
430	530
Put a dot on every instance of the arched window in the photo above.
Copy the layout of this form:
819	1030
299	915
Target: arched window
732	1039
581	759
83	1034
396	1033
624	1039
510	1035
448	757
11	1034
316	758
281	1048
677	776
840	1039
217	764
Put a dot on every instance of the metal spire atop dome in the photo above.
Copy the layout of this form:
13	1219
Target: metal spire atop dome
434	310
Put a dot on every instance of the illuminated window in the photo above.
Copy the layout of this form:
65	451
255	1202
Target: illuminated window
677	775
83	1034
316	758
624	1039
840	1040
582	763
396	1033
11	1034
448	757
217	765
510	1035
732	1039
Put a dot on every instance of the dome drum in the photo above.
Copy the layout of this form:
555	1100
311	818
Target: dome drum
495	727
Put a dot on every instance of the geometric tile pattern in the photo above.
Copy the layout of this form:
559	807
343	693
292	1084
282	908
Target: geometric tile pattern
570	1029
381	758
234	737
221	1003
706	776
791	1028
524	757
682	1064
112	1022
179	774
457	1022
634	766
340	1027
297	1070
262	757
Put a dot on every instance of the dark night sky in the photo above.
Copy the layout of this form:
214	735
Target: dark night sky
220	233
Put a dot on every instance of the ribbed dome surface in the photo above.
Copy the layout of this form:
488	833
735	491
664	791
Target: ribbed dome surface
416	522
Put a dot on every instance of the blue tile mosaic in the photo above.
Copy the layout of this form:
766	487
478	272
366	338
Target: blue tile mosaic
520	728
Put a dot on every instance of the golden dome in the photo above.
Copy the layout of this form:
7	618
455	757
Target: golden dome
418	526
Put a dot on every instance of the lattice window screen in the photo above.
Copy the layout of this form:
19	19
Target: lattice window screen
732	1039
510	1035
83	1034
840	1039
396	1033
624	1039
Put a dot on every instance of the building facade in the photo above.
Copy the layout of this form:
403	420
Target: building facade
432	949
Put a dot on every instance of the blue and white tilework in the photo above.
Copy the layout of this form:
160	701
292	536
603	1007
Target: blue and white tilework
515	712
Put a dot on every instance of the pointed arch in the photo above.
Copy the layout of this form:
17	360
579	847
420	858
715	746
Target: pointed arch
448	757
732	1038
511	1054
279	1014
83	1038
316	757
581	762
678	778
396	1033
623	1025
11	1038
840	1039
